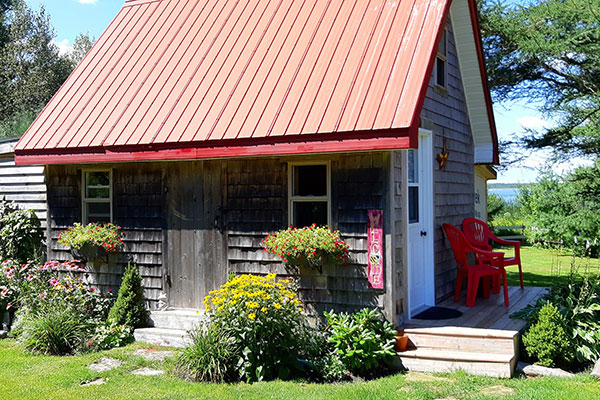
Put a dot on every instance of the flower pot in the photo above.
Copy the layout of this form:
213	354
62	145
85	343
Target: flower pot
401	342
88	252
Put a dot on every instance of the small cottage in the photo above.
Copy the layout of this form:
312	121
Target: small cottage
202	126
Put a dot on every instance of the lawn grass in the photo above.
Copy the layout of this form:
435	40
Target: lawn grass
546	267
25	376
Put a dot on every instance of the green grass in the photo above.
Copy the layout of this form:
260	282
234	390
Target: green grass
26	376
546	267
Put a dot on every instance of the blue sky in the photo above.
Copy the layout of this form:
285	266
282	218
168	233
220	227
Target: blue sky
71	17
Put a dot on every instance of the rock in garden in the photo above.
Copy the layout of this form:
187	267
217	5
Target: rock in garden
497	391
596	371
105	364
94	382
533	370
3	334
153	354
148	372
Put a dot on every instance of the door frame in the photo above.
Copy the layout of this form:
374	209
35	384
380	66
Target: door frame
426	206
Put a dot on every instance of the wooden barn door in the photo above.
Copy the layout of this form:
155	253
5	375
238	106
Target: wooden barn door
196	254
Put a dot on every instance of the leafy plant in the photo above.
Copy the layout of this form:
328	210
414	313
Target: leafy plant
264	319
364	341
210	358
130	309
110	334
107	235
56	332
547	340
21	236
312	246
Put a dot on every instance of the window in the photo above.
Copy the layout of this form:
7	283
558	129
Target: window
441	61
97	196
413	186
309	193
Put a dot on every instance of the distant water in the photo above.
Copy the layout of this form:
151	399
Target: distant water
509	195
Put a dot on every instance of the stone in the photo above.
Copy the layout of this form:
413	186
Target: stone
3	334
105	364
532	370
596	370
420	377
148	372
153	354
94	382
497	391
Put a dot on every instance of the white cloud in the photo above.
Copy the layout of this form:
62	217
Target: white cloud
64	47
87	1
533	122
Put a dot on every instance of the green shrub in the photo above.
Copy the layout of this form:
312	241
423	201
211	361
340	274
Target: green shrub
129	309
210	358
265	320
110	334
547	340
364	341
56	332
21	235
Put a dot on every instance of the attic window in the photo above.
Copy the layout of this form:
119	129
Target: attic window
309	194
97	196
441	62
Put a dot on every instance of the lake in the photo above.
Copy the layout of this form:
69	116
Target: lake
509	195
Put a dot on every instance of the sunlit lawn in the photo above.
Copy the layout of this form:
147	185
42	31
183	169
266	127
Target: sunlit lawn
545	267
24	376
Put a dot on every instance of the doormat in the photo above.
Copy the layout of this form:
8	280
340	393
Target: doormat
433	313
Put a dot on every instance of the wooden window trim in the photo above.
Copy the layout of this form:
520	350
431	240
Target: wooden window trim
85	200
292	199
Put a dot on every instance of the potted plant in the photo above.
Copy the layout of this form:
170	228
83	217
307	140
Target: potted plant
92	240
401	341
312	246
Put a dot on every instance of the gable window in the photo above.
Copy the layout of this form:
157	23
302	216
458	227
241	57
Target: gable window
441	62
309	194
97	196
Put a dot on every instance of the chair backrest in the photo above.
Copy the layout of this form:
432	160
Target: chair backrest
458	243
477	232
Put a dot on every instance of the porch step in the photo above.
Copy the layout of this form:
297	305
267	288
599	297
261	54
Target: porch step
181	318
162	336
488	352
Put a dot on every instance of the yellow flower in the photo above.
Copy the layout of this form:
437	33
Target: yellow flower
266	297
233	302
277	306
251	304
220	308
264	309
252	316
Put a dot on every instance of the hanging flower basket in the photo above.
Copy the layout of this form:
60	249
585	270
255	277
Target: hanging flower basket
312	246
92	240
88	251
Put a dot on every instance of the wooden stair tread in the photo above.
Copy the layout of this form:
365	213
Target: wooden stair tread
449	355
463	332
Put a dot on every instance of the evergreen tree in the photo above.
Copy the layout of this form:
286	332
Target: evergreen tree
129	309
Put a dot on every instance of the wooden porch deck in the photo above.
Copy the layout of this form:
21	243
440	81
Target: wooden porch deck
488	313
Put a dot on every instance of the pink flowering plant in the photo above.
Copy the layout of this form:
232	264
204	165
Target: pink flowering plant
107	236
313	246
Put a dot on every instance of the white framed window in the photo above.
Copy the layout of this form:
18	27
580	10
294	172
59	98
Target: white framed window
97	196
441	62
309	193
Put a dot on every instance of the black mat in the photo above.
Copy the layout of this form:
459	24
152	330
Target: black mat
433	313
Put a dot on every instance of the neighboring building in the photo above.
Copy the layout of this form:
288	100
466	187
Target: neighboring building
202	126
25	185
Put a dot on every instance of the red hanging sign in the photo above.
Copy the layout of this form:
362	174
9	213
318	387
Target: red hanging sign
375	249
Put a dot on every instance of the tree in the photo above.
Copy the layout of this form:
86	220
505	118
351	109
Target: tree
81	45
31	68
548	51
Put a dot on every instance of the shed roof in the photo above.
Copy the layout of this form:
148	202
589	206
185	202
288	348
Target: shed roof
183	79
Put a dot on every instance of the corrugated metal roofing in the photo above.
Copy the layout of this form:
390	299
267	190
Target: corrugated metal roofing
213	78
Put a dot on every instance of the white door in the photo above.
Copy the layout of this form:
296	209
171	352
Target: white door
421	286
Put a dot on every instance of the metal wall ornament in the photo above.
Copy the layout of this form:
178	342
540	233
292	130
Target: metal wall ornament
443	157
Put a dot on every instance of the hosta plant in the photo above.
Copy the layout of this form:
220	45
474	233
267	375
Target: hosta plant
313	246
108	236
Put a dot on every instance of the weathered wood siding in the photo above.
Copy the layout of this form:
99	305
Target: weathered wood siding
256	205
137	208
24	184
453	187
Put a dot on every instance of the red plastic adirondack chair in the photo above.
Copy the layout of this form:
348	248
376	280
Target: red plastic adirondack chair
461	247
479	234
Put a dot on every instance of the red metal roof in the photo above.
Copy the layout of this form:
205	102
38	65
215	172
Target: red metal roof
173	79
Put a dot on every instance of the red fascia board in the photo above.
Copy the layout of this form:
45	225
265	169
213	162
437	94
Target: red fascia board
389	139
484	78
